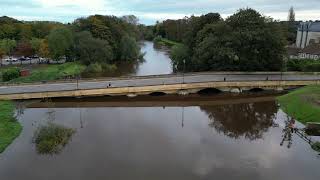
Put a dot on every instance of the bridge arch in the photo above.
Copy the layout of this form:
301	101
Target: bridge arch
209	91
256	90
157	93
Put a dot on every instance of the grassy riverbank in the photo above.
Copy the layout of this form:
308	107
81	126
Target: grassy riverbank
10	128
303	104
51	72
165	42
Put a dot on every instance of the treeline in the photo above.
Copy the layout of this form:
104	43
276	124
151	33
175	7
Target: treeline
92	40
245	41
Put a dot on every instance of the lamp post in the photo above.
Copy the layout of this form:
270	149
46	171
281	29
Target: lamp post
184	67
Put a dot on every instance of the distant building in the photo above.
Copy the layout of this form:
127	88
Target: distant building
312	51
308	33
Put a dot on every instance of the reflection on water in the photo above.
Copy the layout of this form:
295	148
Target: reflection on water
250	120
235	141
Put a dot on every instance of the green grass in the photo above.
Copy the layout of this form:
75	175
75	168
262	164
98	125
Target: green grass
51	72
10	128
51	139
303	104
165	42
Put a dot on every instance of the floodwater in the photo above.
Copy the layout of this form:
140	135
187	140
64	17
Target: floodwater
156	62
202	138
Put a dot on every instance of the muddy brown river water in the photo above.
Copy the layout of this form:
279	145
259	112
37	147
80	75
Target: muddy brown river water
212	137
161	138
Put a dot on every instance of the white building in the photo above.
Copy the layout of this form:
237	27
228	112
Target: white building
308	32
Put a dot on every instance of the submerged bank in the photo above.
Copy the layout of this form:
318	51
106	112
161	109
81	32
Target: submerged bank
10	128
303	104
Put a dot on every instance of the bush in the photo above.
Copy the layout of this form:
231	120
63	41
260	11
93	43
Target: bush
157	39
306	65
312	67
94	68
109	68
52	138
10	74
97	68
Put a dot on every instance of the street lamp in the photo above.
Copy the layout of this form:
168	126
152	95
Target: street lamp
184	67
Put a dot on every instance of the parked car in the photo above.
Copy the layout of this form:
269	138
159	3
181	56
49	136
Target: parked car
11	59
22	59
34	57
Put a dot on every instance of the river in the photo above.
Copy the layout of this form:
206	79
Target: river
223	136
156	61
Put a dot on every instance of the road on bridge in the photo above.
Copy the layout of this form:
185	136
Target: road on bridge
153	81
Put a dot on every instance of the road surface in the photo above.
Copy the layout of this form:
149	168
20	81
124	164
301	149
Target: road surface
152	81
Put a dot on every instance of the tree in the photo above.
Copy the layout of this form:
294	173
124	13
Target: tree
129	49
8	31
214	49
2	53
35	44
91	50
24	48
131	19
44	49
254	120
8	46
257	41
180	57
24	31
60	41
292	15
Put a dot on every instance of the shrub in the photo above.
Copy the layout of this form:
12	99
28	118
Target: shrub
312	67
11	73
306	65
109	67
157	39
51	139
97	68
94	68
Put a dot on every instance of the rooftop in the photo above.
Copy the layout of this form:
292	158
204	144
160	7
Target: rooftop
310	26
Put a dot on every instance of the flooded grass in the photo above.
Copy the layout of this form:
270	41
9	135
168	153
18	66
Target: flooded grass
51	138
52	72
302	104
10	128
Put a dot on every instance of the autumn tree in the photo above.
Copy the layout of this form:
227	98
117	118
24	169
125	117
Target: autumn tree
44	49
24	48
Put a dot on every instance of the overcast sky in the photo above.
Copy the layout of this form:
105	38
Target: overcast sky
149	11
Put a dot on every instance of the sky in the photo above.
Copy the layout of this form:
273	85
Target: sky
149	11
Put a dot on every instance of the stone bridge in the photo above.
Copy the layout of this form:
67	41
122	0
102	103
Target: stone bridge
209	82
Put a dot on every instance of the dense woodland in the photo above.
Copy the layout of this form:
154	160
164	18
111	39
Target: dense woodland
245	41
94	41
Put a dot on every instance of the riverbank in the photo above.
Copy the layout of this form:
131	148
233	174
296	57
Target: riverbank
165	42
302	104
10	128
51	72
